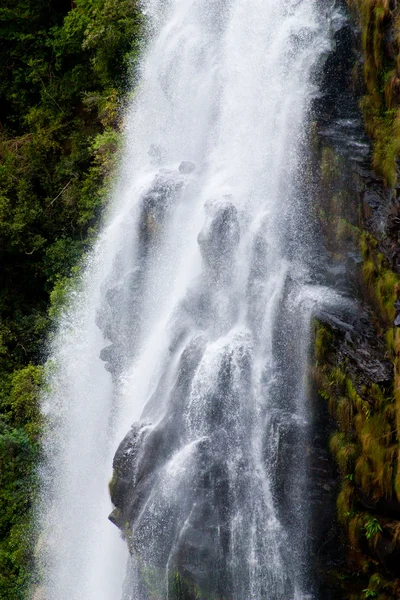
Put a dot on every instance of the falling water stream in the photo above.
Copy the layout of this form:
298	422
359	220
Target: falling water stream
191	324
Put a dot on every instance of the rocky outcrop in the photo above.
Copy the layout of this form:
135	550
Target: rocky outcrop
120	317
171	494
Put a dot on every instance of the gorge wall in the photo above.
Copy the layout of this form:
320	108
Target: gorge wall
356	361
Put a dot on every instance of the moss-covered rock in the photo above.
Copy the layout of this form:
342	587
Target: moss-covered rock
380	35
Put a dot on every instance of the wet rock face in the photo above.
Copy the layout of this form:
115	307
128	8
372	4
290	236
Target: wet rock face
219	239
120	317
357	354
365	351
157	202
162	480
183	475
186	167
354	197
324	534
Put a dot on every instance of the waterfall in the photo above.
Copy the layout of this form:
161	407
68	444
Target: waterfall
187	336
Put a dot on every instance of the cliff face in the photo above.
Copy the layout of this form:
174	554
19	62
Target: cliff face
356	361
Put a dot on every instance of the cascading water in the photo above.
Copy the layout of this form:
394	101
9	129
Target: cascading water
191	322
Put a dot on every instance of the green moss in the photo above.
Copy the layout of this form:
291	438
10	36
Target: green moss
355	530
386	292
344	414
323	339
390	340
382	121
344	451
369	271
346	231
381	282
330	165
344	502
179	587
111	483
365	445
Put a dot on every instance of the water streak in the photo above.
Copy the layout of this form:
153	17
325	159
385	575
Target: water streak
191	322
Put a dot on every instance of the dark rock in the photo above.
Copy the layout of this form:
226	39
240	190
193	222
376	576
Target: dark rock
387	552
111	355
186	167
368	363
373	199
171	480
113	295
145	448
361	344
120	319
157	153
116	518
124	471
388	507
219	238
155	205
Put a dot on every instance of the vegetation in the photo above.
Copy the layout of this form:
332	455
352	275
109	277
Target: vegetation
65	72
365	447
367	414
380	26
381	283
366	443
179	587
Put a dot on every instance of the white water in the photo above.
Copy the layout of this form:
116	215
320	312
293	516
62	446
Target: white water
226	84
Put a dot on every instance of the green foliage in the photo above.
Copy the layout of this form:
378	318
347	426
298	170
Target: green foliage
61	293
370	593
365	444
112	35
382	118
330	165
372	528
381	282
65	71
19	451
25	385
374	585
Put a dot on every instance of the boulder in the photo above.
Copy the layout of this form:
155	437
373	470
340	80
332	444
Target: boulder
186	167
219	238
